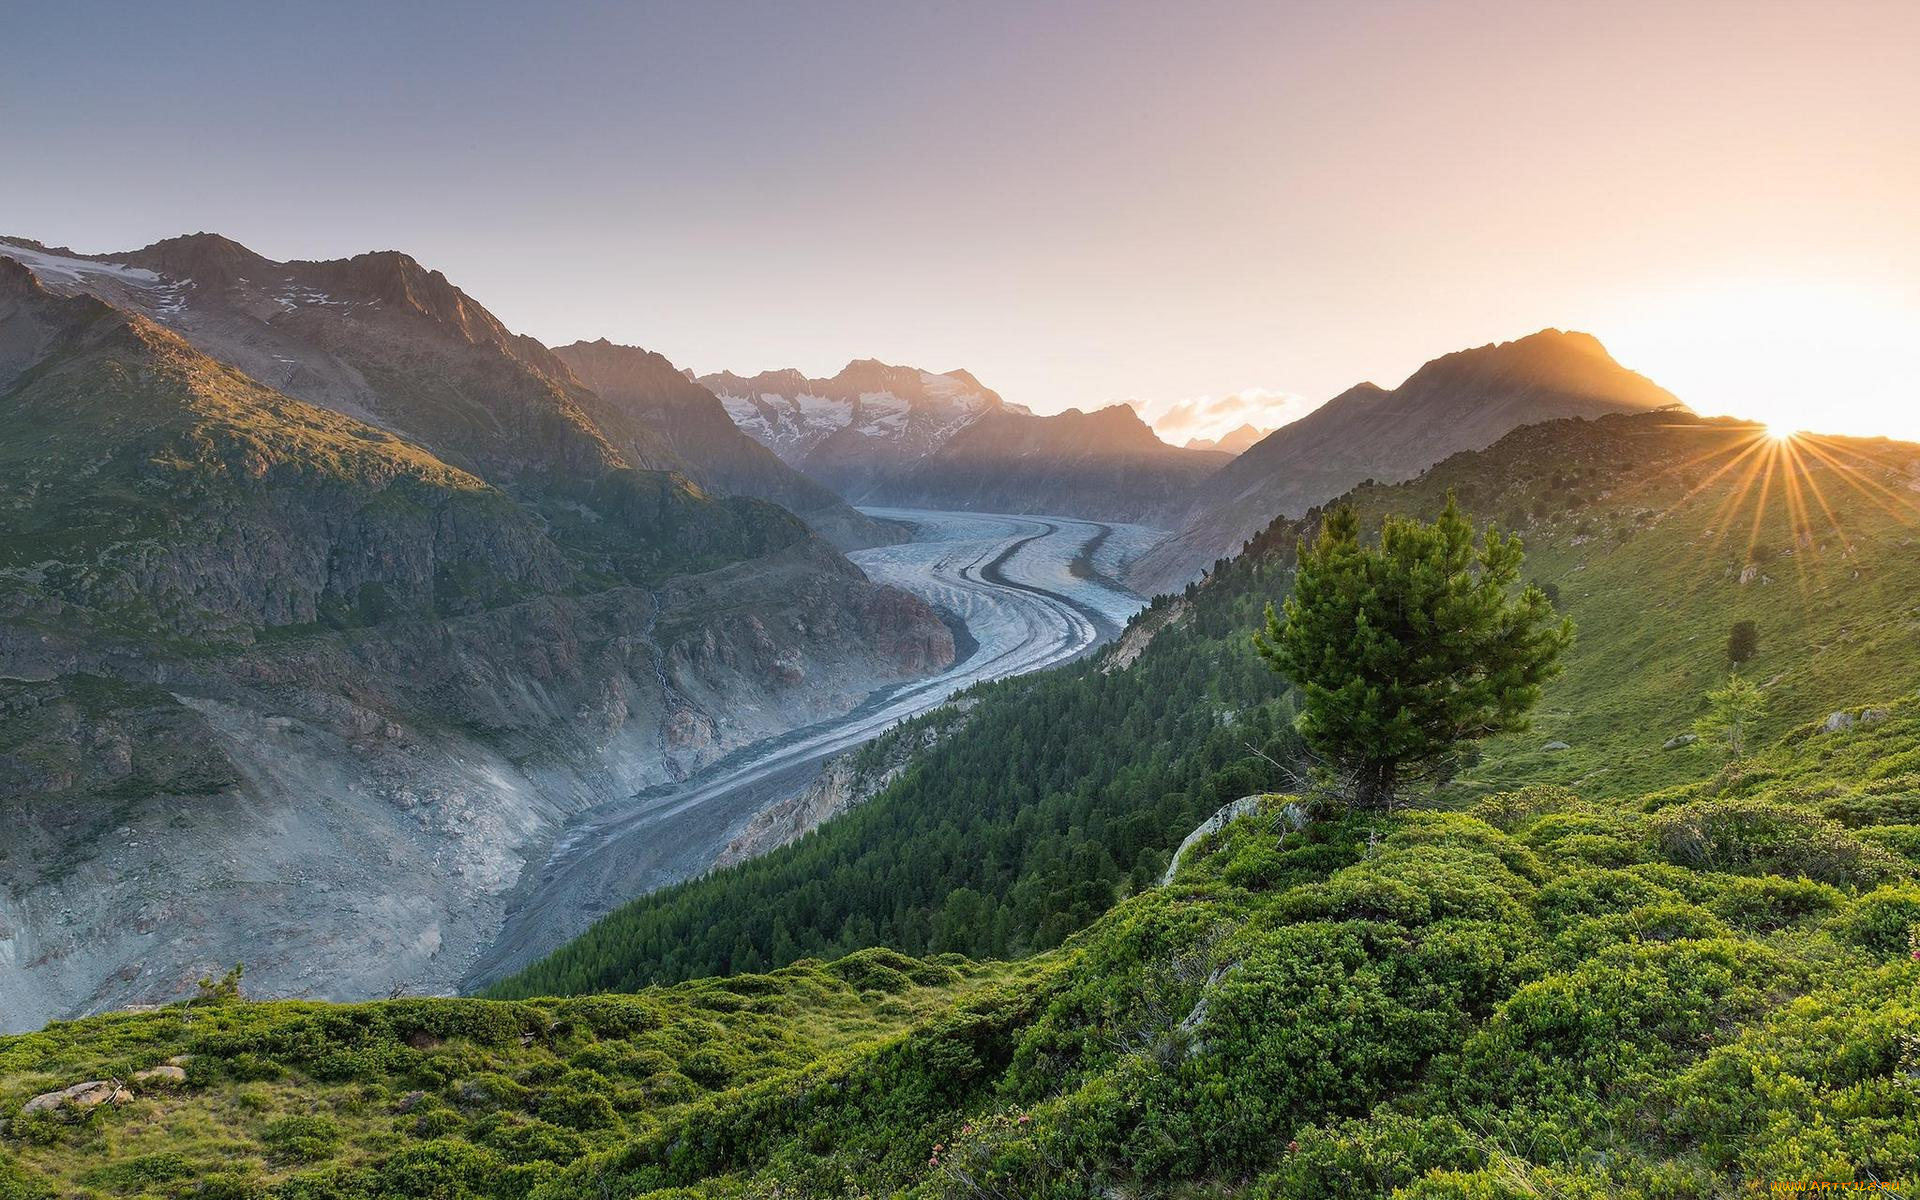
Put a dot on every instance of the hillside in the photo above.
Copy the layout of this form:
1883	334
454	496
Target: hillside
240	628
1462	401
1062	793
640	390
1691	995
900	437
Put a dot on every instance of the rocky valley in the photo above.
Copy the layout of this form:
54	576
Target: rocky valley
259	648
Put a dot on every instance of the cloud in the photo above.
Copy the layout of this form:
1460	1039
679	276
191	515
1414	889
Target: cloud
1211	416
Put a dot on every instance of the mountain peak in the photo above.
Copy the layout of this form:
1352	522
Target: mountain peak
1234	441
16	280
1561	361
203	257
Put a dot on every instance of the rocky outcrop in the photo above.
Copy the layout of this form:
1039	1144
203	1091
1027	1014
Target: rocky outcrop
1140	633
845	782
1290	814
91	1094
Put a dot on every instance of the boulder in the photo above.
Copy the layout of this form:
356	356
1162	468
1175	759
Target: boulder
1835	722
1679	740
1874	716
164	1075
1556	745
1291	815
90	1094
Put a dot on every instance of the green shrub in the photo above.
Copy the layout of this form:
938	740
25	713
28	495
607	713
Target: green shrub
1629	1010
1873	807
1593	893
1757	837
16	1184
1664	922
522	1140
1770	902
1903	840
1883	920
301	1139
489	1089
575	1109
1368	1157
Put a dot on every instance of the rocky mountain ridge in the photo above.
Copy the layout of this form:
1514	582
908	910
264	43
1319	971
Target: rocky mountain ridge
642	388
888	435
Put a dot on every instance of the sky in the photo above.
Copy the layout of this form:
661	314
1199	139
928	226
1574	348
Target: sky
1234	208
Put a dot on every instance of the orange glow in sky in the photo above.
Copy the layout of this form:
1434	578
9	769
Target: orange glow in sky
1796	355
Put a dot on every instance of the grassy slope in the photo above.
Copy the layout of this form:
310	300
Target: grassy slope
1067	791
1644	526
371	1084
1541	995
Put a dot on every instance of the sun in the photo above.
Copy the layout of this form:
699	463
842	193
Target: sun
1799	356
1781	433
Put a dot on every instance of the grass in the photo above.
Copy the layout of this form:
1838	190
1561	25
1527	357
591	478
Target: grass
276	1088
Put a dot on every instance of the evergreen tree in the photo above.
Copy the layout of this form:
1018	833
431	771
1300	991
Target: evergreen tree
1732	712
1405	651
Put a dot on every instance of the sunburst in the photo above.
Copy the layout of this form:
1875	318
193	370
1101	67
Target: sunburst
1768	476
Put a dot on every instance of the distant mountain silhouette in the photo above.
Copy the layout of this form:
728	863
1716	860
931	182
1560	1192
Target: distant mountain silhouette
1461	401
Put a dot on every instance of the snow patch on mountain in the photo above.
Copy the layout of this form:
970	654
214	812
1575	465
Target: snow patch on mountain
65	274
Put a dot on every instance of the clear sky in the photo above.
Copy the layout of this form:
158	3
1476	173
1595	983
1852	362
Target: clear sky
1081	202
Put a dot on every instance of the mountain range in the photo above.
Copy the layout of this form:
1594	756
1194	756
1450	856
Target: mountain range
1461	401
1235	441
319	569
902	437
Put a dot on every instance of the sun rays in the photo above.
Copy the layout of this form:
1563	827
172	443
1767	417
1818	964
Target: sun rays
1778	493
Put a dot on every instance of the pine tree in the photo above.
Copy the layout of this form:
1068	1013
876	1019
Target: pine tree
1405	651
1732	712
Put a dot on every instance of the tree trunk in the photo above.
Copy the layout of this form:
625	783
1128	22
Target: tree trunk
1374	785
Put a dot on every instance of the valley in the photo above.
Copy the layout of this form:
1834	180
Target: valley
1030	592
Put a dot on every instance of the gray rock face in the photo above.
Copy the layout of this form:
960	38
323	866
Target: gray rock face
339	839
844	783
1679	740
1555	746
1836	722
